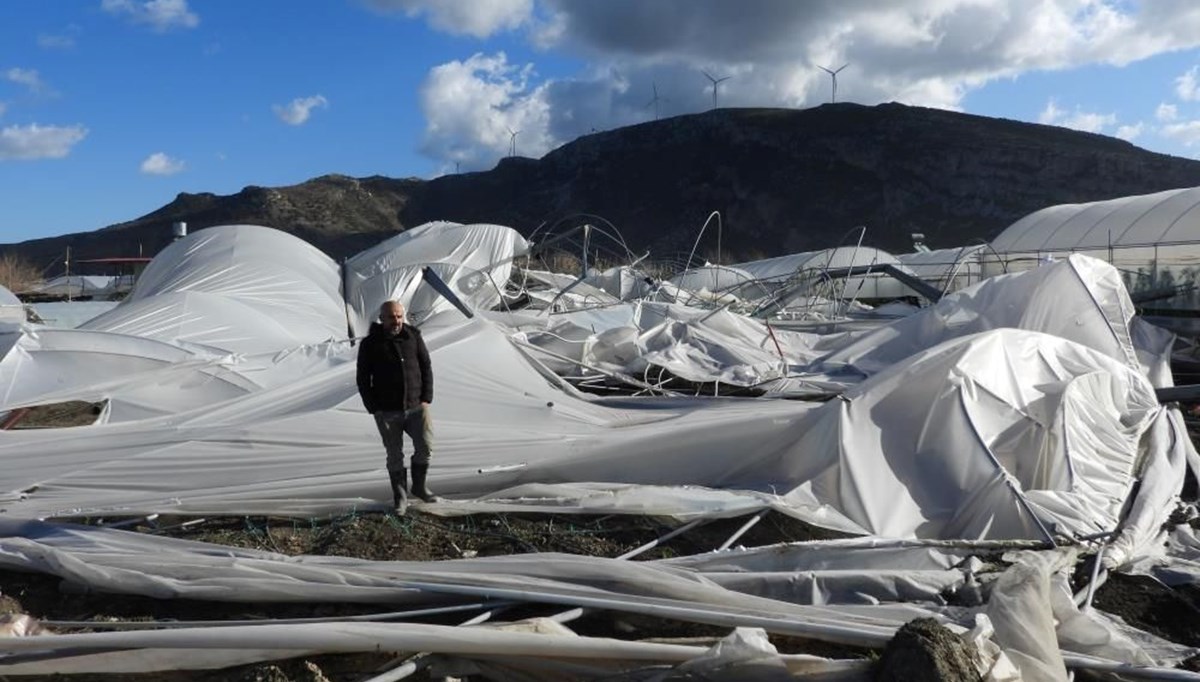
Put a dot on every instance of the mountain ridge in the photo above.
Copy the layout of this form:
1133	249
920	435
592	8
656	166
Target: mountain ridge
783	180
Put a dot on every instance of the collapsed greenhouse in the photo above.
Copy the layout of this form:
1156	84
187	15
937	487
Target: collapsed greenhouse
979	447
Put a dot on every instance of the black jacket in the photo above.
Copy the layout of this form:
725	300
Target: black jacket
394	373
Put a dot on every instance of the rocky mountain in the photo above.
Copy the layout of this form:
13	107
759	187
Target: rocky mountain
783	180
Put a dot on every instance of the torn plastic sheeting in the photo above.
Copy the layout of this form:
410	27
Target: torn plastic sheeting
1091	290
315	425
695	344
139	378
623	282
1019	609
487	389
1173	558
119	561
993	440
1036	621
845	554
962	452
231	285
233	324
852	586
473	260
122	562
272	640
1172	448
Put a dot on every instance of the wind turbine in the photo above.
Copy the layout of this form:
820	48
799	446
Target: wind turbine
715	82
833	74
512	141
655	100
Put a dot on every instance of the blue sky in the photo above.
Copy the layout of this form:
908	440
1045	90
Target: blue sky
109	108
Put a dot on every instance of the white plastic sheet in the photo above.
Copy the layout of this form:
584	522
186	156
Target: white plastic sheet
474	260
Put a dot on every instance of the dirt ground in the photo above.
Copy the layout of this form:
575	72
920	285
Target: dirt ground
1144	603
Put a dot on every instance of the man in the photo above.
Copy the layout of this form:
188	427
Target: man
395	380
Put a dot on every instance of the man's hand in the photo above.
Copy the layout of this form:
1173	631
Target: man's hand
424	404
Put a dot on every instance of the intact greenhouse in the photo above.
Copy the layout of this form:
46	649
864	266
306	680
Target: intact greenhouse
1152	239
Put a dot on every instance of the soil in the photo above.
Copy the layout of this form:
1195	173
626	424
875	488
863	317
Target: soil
74	413
924	649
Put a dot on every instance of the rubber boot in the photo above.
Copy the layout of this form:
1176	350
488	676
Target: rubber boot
399	480
418	487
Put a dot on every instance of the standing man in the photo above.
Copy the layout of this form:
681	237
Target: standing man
395	380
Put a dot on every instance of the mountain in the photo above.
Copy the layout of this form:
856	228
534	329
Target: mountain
783	180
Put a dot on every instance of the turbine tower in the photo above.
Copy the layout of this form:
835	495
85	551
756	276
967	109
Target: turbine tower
715	82
512	141
655	100
833	75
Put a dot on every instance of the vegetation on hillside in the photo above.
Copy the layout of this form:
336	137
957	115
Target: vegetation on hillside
16	273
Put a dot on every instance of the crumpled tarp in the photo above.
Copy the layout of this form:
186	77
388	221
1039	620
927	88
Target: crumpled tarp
1022	408
1004	433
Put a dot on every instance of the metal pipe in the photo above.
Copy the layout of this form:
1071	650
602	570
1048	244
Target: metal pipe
857	635
1081	662
13	417
613	375
1092	584
657	541
742	531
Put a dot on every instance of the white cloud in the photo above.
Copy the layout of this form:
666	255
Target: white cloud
298	110
1129	133
1051	115
920	52
38	142
1186	133
55	42
478	18
1089	122
27	77
470	106
1166	112
159	15
1186	86
61	40
159	163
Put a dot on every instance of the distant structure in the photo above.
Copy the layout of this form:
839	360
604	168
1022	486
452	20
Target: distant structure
655	100
833	75
715	83
512	141
178	230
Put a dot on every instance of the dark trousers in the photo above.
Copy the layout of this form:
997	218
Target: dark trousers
419	427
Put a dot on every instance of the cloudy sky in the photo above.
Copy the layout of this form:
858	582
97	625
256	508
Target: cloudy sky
109	108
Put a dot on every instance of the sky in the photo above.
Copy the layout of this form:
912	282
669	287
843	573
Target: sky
111	108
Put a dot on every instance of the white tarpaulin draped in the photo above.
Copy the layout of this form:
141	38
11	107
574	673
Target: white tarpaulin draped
240	288
688	589
473	260
1080	299
695	344
1021	408
983	436
306	447
12	311
1003	434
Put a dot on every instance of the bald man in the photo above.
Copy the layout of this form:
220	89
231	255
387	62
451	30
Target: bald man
395	381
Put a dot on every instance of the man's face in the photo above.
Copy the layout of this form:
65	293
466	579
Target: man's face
392	318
